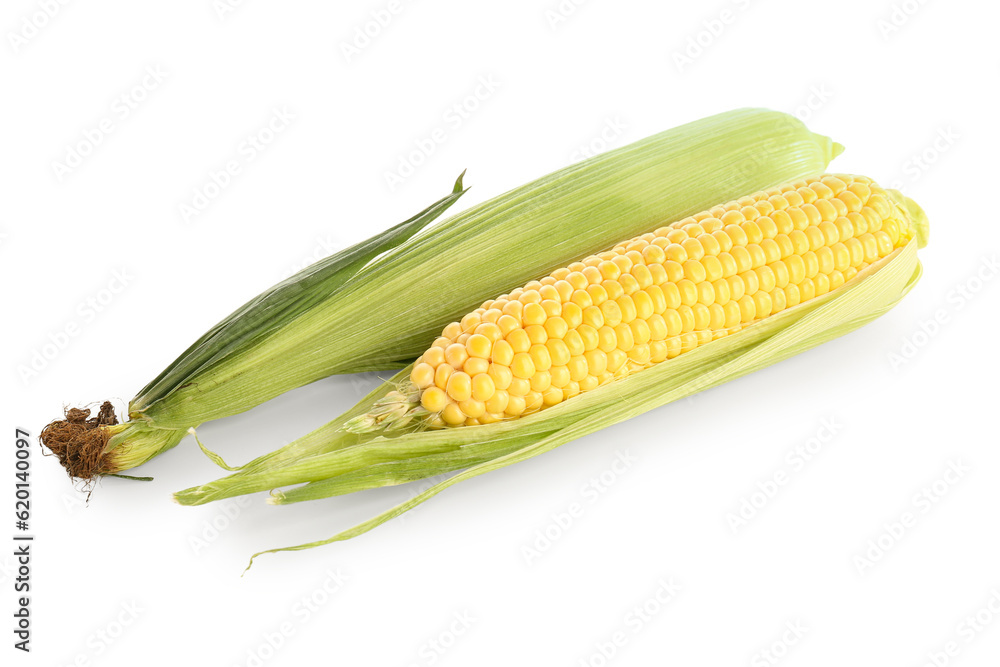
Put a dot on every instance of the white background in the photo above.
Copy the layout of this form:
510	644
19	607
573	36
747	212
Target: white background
925	91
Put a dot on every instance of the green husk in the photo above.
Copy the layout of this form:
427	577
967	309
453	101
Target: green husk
364	316
332	462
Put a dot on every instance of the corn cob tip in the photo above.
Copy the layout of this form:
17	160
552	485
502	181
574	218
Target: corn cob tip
396	410
362	424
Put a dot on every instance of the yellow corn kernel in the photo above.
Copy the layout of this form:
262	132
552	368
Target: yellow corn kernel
623	336
552	396
502	353
640	331
558	352
474	366
478	345
528	297
536	334
490	329
741	258
501	376
706	293
616	360
513	309
452	415
433	399
515	406
483	388
574	342
627	307
560	376
688	291
540	381
497	402
548	292
519	387
687	318
435	356
522	366
639	356
555	327
441	375
593	317
573	316
470	322
472	409
597	362
589	337
792	296
577	368
459	386
518	340
540	357
822	284
570	390
455	355
582	298
563	288
422	375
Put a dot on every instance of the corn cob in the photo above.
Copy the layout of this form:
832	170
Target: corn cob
646	300
393	437
354	311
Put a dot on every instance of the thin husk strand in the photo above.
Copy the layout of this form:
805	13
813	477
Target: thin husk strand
376	324
102	446
867	297
336	462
